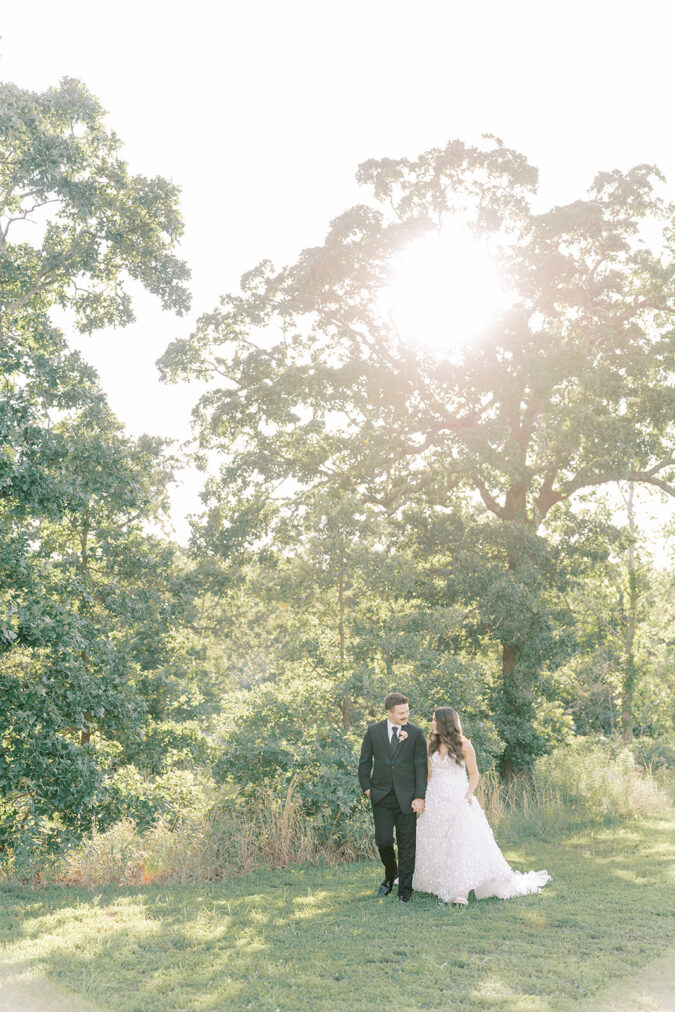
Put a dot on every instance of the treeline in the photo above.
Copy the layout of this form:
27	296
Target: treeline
380	517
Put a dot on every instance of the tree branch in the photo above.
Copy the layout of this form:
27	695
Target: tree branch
646	477
489	499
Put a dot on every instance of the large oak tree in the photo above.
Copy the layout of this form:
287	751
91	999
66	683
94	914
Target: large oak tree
313	386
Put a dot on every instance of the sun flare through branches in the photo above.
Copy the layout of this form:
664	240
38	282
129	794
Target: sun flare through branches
444	291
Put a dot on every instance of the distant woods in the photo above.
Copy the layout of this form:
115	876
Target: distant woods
378	517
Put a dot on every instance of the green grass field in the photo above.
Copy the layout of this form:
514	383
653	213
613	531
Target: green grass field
318	938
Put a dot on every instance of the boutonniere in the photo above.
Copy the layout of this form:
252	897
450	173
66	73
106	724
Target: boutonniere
402	735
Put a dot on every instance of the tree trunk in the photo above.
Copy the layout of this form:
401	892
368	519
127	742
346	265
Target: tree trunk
346	711
509	659
627	702
341	620
389	667
630	672
346	704
85	733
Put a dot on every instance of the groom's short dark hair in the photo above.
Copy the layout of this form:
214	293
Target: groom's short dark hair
395	699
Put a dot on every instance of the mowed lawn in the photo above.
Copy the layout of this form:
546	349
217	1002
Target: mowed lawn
310	938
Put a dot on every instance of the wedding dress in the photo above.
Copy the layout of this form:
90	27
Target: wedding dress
456	851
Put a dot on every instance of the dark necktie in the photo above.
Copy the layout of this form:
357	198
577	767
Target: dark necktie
394	737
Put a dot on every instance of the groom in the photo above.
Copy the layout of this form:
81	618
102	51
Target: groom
393	774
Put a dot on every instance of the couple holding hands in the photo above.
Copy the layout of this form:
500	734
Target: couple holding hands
419	790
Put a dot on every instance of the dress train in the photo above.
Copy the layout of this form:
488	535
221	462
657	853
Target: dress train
456	849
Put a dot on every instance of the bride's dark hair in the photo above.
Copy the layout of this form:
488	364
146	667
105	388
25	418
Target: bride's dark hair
448	733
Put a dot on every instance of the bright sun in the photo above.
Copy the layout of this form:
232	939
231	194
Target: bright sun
444	291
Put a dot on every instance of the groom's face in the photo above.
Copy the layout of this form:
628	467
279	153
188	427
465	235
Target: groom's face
399	715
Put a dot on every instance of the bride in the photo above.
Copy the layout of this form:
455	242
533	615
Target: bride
456	851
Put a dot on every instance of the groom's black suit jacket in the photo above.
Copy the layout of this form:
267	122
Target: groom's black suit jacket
404	768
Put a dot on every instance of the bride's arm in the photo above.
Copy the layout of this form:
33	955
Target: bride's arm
472	767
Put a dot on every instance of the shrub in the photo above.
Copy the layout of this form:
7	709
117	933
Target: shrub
128	795
285	733
30	845
655	753
169	745
590	780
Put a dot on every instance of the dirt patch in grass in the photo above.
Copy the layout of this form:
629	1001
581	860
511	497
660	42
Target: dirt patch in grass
21	990
651	989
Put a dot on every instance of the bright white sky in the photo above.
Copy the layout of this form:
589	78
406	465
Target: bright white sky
261	111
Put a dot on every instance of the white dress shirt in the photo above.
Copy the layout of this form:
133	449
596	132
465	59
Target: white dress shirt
390	728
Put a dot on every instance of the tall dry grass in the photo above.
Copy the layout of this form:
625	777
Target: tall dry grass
230	840
584	782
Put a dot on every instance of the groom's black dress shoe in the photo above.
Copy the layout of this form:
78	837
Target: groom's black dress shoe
385	888
405	899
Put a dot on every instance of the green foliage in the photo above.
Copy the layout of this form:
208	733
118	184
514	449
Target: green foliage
93	617
281	740
382	517
285	732
346	616
88	600
623	674
31	846
655	753
127	794
552	723
103	223
474	461
170	745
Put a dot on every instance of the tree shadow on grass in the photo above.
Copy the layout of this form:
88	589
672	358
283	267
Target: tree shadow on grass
317	937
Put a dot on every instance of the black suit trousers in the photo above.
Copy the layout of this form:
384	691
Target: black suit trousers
388	816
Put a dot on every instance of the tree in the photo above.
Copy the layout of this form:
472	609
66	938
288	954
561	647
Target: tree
92	619
75	493
84	227
312	386
623	608
98	225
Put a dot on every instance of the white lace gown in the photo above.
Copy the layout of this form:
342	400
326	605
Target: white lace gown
456	851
